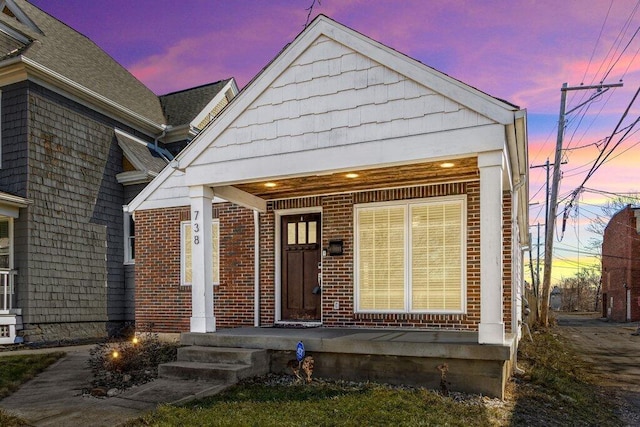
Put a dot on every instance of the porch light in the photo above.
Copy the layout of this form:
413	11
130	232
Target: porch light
270	184
447	165
351	175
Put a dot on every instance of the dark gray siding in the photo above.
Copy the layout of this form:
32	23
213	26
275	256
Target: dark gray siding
76	281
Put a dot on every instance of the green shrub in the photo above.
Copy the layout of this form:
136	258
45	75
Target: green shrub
126	363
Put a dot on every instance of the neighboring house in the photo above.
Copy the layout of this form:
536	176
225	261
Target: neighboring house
347	185
621	266
80	138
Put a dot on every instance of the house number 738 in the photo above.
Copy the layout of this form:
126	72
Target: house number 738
196	228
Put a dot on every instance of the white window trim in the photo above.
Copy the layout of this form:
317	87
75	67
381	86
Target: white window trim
183	270
407	204
128	259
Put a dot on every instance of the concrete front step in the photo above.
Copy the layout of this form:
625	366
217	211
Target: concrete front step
246	356
228	365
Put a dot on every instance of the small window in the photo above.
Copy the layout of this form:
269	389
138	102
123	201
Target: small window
129	239
185	249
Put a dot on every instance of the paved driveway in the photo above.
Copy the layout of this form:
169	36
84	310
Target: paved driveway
615	353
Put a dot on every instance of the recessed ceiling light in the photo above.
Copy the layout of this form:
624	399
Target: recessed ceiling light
447	165
270	184
352	175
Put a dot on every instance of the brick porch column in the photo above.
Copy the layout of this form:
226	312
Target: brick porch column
202	316
491	329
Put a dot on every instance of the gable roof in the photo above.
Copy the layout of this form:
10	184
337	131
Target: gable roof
51	47
183	106
490	114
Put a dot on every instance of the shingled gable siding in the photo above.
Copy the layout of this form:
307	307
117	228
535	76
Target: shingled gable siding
65	288
162	304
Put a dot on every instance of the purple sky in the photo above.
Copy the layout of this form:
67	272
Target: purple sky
521	51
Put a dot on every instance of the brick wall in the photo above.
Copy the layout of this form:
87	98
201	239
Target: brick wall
621	266
162	302
507	263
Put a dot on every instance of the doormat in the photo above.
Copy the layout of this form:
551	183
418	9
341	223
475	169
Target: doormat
296	325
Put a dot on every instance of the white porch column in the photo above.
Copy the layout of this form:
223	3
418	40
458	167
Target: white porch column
491	328
202	317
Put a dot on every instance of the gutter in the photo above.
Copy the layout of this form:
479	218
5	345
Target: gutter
56	81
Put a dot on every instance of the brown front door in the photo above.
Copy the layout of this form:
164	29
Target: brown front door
301	252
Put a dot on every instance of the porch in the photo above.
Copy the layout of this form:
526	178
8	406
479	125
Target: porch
10	317
392	356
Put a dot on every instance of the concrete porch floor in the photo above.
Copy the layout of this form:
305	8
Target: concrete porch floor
395	356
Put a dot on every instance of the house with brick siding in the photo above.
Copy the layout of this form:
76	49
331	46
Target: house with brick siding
347	186
80	137
621	266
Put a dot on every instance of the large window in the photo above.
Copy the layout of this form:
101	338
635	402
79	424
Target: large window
410	256
185	251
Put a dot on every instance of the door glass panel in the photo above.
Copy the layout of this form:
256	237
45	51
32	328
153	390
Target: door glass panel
291	233
312	232
302	233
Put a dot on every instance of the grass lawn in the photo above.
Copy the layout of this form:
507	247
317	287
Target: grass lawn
322	404
16	370
558	389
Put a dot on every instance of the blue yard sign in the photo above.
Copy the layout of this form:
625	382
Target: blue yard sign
300	351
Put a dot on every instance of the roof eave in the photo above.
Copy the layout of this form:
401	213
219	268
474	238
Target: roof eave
21	68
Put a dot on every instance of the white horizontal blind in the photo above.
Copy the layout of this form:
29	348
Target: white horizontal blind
436	248
381	258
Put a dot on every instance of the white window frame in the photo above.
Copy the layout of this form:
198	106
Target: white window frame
408	204
129	240
215	252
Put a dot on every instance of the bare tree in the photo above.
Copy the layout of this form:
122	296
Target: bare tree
599	223
579	291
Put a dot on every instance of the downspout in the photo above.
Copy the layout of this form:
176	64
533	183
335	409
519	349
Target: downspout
256	269
162	135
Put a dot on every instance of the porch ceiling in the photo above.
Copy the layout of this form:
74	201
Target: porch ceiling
388	177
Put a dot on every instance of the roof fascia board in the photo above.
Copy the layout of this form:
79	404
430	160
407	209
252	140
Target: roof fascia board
22	68
82	92
128	153
135	177
15	201
231	85
13	33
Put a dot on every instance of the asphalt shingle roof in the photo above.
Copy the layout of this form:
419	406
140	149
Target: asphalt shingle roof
142	154
71	54
183	106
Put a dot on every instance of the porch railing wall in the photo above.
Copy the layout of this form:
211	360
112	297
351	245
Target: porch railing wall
7	290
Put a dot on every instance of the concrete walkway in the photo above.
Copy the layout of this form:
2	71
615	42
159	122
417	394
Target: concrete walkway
55	397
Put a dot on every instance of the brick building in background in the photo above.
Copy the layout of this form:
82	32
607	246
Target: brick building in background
621	266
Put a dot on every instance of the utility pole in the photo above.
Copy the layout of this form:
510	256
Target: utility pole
553	198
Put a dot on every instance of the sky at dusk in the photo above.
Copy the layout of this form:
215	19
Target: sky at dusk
521	51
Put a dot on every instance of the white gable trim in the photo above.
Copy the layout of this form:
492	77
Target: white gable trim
244	169
230	86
